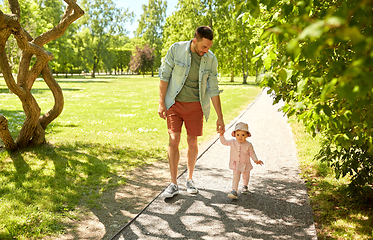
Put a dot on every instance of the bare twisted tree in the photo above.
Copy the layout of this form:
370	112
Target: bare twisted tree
33	130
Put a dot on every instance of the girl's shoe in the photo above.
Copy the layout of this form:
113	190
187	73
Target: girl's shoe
233	195
245	190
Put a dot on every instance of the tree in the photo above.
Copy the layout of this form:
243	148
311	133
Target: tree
232	45
151	27
123	60
121	57
142	60
32	21
227	38
319	60
62	47
33	129
103	20
180	26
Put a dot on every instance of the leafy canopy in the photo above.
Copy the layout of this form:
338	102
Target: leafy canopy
318	58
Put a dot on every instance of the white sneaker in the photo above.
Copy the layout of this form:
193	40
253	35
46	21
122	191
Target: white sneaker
190	186
171	191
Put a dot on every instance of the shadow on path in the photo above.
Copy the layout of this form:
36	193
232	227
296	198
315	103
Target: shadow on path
277	206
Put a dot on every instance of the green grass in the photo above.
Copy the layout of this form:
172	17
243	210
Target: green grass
337	216
109	127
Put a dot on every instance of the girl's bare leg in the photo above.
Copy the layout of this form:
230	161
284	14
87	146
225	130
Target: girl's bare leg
246	178
236	180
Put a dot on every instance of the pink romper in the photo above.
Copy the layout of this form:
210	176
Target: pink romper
240	154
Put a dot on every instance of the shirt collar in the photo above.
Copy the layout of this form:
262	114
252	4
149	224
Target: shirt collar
188	46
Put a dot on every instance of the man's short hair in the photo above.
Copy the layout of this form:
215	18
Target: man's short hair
203	32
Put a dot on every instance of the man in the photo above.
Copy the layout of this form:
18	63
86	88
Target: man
188	82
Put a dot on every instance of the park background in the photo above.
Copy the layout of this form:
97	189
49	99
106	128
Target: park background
316	56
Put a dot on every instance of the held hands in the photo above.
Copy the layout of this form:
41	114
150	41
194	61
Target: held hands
259	162
220	126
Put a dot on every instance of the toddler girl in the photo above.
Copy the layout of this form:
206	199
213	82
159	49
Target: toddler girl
239	162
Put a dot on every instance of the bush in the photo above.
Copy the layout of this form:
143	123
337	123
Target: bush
319	61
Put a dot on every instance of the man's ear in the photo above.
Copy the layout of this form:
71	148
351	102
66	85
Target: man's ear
233	134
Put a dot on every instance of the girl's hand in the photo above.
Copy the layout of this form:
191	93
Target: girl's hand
259	162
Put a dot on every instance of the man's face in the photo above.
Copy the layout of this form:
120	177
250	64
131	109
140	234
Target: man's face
202	47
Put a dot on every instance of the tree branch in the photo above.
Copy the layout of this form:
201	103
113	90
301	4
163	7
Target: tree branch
14	8
65	22
58	98
7	73
32	131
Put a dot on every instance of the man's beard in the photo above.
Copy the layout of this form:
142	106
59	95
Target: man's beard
198	52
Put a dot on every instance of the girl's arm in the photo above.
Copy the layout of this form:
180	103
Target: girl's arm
253	155
223	140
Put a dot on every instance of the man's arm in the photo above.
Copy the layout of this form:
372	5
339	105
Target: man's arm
167	67
162	95
220	126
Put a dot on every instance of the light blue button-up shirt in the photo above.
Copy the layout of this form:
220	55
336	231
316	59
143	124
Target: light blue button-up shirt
175	71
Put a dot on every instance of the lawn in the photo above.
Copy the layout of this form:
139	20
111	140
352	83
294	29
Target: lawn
109	127
337	215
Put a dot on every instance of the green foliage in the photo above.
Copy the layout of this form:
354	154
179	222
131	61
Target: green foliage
32	21
180	26
123	58
151	27
233	38
318	57
101	22
233	45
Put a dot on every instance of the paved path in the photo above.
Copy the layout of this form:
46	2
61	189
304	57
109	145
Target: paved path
277	206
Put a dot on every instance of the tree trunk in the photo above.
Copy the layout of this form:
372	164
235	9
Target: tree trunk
33	129
256	71
210	13
243	67
94	69
246	56
243	53
5	134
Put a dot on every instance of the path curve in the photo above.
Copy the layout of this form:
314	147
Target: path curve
277	206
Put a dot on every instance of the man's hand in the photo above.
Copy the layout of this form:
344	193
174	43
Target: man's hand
162	110
220	126
162	94
221	133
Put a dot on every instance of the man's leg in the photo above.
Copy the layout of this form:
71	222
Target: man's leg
173	155
192	154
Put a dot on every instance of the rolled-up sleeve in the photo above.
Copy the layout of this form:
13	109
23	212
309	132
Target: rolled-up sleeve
212	81
168	65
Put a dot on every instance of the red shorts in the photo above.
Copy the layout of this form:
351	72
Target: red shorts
188	112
